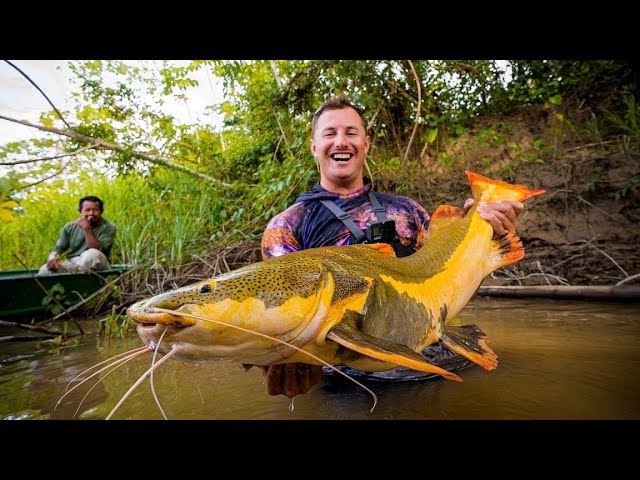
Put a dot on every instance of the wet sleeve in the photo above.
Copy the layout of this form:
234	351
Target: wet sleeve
278	239
421	222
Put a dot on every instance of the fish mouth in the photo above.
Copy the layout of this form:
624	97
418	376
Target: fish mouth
159	314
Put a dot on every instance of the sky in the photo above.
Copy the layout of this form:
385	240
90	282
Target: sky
21	100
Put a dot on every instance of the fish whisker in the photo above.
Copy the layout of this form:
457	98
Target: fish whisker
115	365
130	354
153	361
217	322
139	381
194	381
144	347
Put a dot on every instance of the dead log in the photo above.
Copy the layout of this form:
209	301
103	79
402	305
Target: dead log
614	293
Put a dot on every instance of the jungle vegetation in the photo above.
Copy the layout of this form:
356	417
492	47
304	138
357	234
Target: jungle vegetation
190	198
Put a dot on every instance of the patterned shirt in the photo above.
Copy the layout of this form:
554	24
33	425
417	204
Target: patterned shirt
309	224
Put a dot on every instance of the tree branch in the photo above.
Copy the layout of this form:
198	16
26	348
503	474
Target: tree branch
118	148
22	187
19	162
40	90
415	126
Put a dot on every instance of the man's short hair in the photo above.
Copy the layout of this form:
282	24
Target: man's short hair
337	103
90	198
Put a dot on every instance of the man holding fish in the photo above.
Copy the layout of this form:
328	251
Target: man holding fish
342	210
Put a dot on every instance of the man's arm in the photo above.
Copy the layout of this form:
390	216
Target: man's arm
89	236
62	245
288	379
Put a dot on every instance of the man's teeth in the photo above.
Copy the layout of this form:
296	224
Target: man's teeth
341	156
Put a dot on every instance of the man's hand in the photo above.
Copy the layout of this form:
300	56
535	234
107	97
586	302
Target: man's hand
83	223
53	264
289	379
501	215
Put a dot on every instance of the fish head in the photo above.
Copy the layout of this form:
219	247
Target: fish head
257	314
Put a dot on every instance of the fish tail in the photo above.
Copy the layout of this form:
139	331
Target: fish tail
509	250
491	190
469	341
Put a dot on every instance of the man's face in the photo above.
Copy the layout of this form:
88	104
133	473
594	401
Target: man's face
91	211
340	145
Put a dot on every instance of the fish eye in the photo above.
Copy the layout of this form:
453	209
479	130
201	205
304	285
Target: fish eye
205	288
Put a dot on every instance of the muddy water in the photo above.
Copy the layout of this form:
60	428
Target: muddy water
557	360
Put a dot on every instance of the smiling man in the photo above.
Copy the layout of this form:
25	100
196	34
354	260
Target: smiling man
342	209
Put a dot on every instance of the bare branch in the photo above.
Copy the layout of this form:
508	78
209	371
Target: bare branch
22	187
628	279
415	126
43	94
118	148
33	328
19	162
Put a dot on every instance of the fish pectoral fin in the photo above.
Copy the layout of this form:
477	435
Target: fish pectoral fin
350	337
469	341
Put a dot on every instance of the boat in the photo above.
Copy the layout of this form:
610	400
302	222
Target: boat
27	295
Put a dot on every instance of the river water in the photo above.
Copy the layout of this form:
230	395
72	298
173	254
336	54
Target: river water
557	360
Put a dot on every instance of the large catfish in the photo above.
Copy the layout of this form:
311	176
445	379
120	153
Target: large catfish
358	305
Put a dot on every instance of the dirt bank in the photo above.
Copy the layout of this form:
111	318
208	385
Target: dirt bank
586	229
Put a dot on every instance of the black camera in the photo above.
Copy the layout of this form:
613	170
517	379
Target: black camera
381	232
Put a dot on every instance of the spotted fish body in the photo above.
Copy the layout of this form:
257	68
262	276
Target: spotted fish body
358	306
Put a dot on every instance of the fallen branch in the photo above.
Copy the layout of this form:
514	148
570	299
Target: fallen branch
568	292
26	338
32	328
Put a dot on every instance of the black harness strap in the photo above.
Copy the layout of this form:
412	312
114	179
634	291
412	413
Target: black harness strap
350	224
377	208
342	216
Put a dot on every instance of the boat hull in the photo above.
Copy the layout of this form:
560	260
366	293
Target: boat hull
24	293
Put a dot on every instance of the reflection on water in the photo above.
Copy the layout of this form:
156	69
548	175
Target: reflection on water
557	360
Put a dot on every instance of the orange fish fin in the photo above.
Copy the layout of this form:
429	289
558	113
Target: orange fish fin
445	216
383	248
509	248
469	341
501	190
350	337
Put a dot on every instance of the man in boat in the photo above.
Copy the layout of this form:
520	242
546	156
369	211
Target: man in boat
84	244
342	209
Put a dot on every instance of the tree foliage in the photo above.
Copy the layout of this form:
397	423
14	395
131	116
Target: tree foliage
257	160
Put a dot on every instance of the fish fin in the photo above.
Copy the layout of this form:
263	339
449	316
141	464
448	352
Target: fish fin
383	248
350	337
469	341
500	190
444	216
509	248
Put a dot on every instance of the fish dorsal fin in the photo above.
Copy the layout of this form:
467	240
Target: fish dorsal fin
383	248
445	216
347	335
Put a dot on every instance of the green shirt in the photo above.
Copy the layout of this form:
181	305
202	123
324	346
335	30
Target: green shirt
72	238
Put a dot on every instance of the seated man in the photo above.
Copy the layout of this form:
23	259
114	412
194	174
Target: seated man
87	240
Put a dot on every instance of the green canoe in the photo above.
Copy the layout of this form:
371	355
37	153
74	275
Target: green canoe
24	292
